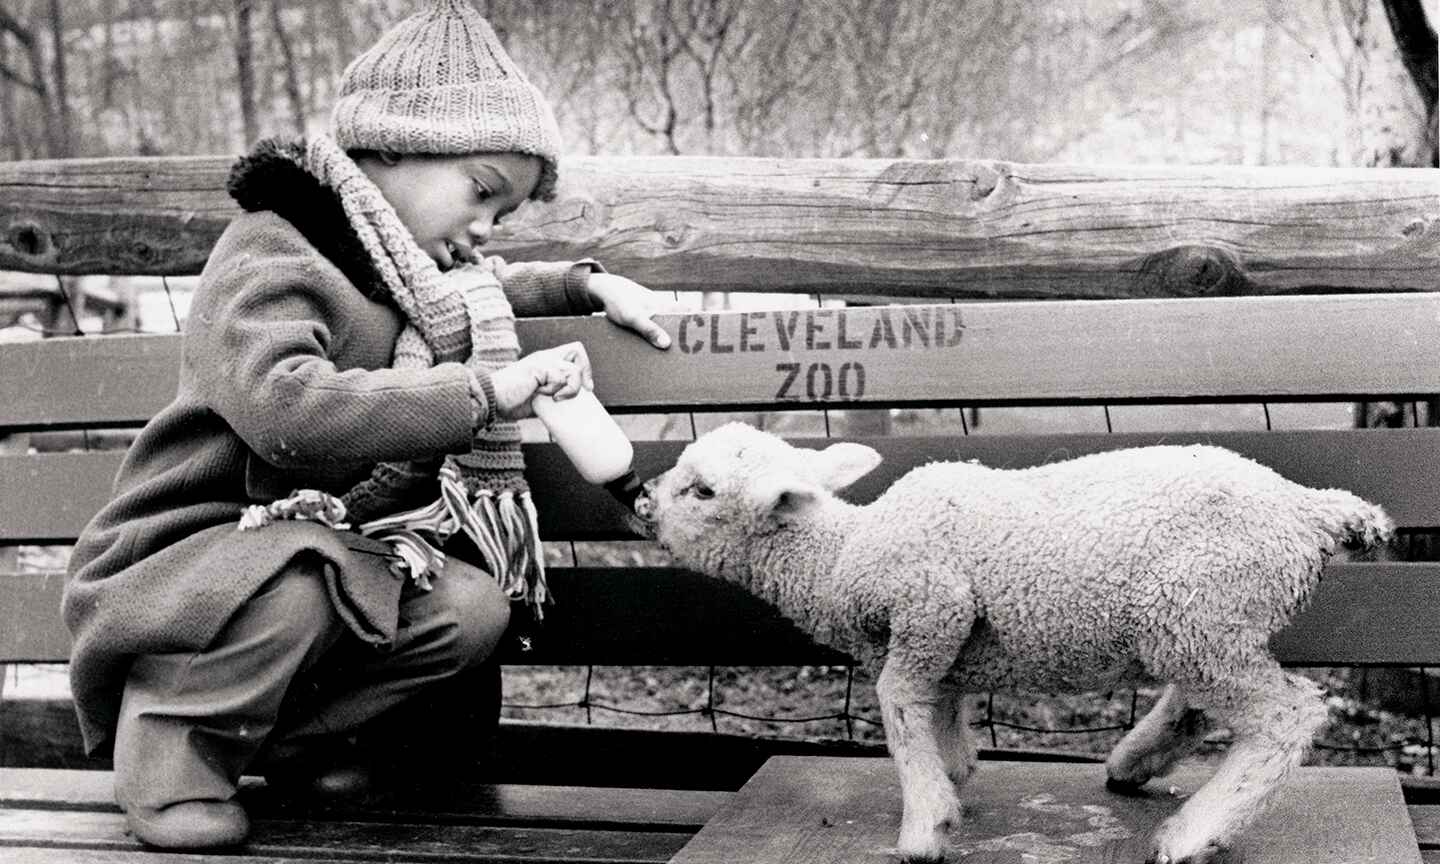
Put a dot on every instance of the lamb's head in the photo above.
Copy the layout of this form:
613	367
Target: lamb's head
735	483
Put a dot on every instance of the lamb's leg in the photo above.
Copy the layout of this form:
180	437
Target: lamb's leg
1169	732
954	735
1273	716
913	711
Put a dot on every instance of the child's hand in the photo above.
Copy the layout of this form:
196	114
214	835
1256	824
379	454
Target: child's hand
629	304
558	372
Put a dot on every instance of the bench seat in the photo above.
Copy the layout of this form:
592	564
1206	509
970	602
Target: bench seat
68	816
795	809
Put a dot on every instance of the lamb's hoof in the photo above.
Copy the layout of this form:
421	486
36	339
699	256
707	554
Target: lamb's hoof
1204	856
1124	787
1169	854
913	857
932	852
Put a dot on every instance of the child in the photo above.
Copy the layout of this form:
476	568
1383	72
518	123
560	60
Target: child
344	339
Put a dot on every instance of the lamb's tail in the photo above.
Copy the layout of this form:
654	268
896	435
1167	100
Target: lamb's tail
1350	519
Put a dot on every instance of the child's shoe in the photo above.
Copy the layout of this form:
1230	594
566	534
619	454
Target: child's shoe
324	773
190	824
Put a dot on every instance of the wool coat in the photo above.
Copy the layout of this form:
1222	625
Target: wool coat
284	384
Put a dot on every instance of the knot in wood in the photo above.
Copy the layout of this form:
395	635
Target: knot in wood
673	234
1194	271
1417	226
989	176
28	239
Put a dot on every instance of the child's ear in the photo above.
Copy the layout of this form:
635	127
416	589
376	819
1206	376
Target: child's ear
783	497
388	157
839	465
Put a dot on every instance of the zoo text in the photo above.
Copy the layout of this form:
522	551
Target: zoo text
860	330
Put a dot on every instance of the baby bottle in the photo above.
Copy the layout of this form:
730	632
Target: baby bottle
592	441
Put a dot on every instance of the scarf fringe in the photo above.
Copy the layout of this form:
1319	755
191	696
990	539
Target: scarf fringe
504	527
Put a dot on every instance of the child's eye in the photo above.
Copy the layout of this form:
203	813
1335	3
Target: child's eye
702	491
482	192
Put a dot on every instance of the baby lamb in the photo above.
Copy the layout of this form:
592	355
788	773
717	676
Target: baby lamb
1161	564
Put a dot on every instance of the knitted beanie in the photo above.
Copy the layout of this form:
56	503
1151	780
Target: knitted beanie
439	82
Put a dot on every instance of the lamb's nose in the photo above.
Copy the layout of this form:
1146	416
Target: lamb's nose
645	507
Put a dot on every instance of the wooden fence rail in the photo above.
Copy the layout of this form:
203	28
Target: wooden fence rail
945	228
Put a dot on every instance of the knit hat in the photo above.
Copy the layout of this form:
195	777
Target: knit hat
439	82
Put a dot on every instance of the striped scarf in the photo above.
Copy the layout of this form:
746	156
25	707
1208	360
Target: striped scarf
461	315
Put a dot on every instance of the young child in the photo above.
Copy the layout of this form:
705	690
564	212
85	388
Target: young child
256	591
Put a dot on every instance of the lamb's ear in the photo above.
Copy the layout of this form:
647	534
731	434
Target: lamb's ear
839	465
782	496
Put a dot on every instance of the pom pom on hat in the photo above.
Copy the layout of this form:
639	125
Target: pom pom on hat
439	82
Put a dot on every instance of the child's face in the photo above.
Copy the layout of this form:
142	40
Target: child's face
450	203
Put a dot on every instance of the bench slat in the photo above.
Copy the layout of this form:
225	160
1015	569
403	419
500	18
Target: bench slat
1380	465
1362	614
364	841
44	855
671	809
1218	349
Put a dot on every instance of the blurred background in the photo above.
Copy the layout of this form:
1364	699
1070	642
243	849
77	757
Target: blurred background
1255	82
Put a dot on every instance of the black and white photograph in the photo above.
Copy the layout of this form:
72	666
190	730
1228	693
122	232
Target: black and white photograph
719	431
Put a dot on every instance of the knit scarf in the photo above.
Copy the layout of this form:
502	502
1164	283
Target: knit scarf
461	315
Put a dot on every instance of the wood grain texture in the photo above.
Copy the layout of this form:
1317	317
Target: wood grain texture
941	228
1362	614
801	810
361	841
1377	464
1065	352
46	855
509	803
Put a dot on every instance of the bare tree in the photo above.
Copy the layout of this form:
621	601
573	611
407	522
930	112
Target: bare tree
653	48
36	82
62	144
289	72
1416	42
245	68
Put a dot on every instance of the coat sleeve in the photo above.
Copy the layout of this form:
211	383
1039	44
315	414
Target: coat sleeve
268	321
537	288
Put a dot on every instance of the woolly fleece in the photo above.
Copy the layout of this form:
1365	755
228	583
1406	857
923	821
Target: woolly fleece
1158	564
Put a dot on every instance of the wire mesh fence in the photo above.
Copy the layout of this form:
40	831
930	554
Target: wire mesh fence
837	702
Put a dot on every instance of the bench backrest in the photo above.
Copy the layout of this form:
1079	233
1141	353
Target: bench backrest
1200	256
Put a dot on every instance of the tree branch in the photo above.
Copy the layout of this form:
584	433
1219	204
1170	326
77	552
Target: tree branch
1417	43
22	34
14	77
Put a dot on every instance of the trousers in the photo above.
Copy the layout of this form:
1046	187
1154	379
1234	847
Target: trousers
286	674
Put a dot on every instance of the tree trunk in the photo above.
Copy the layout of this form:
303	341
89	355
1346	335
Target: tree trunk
1415	39
292	75
245	68
63	144
36	83
9	123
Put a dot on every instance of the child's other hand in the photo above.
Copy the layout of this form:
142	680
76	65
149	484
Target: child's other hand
558	372
631	305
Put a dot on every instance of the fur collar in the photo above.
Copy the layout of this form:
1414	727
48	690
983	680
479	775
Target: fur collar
271	178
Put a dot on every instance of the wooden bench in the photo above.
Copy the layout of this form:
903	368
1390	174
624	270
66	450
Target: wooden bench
1135	296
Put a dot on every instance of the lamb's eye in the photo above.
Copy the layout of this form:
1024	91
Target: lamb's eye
702	491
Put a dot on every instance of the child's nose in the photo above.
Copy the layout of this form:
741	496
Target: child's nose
479	231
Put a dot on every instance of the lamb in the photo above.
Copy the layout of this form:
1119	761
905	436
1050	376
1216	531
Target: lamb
1164	564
